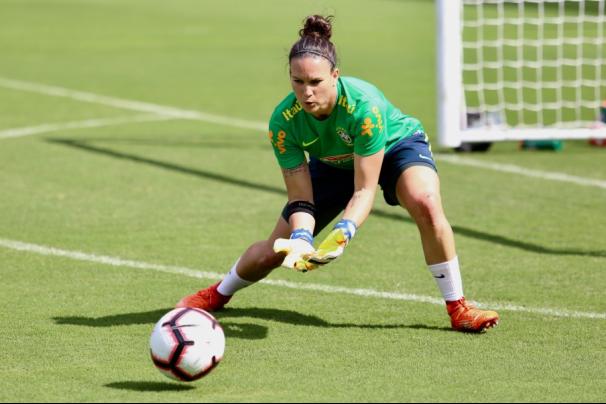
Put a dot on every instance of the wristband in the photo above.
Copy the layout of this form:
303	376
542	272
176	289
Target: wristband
302	234
348	226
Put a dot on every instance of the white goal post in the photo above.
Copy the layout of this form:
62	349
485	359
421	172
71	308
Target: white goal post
520	70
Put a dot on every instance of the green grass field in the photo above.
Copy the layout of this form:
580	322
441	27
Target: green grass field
193	194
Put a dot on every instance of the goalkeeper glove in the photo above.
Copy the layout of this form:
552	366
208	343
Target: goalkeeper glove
297	249
333	245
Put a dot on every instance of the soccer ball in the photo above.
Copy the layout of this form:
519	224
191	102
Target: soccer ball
186	344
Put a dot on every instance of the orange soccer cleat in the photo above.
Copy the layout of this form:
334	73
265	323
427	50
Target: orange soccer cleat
208	299
467	318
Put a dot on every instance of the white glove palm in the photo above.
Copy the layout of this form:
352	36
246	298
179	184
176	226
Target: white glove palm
297	251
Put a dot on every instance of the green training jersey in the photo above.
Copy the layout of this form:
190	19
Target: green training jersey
363	122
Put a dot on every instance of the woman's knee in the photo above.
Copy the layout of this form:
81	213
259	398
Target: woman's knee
426	208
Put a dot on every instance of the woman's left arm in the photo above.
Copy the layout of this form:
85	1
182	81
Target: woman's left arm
367	170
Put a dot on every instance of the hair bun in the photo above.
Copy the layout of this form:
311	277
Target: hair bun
317	26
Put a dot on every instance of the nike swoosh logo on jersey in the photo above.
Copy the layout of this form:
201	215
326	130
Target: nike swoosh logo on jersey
310	143
425	157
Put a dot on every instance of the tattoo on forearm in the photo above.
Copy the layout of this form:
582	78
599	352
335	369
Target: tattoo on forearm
294	171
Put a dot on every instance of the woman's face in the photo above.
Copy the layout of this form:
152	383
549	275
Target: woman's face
315	84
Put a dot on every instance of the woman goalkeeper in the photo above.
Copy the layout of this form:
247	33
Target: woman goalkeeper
356	140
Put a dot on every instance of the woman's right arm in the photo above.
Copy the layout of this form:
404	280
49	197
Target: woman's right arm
299	188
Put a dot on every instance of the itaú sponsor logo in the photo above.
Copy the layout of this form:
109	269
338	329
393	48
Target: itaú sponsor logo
339	159
290	113
343	102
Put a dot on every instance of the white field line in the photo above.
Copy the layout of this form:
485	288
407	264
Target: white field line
89	123
261	126
130	104
512	169
365	293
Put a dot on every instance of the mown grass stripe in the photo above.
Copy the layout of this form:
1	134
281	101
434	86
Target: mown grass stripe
178	113
130	104
88	123
366	293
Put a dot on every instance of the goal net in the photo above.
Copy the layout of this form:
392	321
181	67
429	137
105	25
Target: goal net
520	70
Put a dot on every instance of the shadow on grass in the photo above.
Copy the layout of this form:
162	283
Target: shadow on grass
233	329
200	142
500	240
209	175
429	327
244	183
149	386
295	318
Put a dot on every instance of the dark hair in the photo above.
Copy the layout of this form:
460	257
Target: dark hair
315	40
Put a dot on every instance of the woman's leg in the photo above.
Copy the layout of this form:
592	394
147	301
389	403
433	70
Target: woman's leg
418	191
255	264
260	259
332	190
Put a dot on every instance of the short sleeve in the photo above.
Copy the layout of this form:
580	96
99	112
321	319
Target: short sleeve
370	132
288	153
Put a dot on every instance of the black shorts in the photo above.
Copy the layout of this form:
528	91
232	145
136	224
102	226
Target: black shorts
333	187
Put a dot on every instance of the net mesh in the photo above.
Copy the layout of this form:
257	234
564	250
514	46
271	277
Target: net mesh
534	63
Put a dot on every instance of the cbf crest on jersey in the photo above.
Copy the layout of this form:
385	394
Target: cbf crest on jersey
344	136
